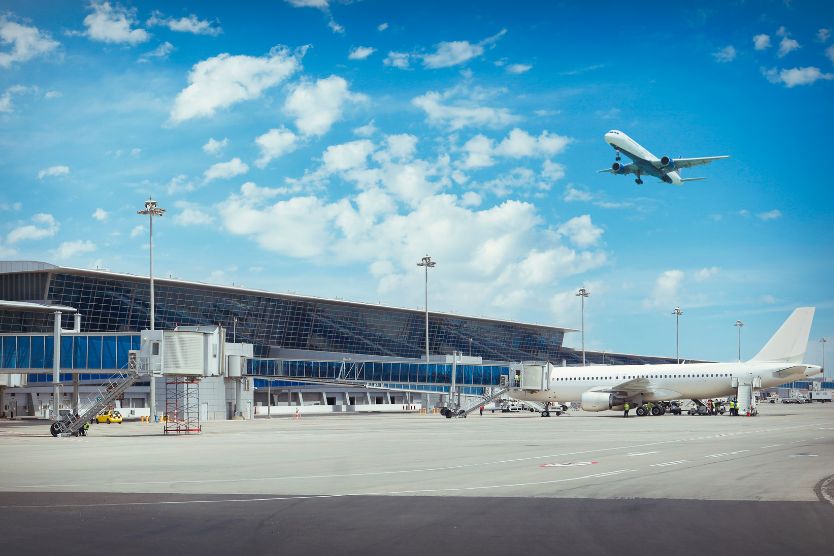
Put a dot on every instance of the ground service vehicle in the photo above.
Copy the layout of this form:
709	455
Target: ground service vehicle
820	396
109	417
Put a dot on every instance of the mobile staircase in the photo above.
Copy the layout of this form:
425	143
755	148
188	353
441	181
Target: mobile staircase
458	412
106	395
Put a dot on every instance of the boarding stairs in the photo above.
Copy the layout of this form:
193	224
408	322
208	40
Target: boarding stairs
483	401
106	395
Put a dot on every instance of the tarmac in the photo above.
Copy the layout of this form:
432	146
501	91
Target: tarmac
419	484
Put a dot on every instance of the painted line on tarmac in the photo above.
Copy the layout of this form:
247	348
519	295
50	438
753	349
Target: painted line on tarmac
635	454
315	496
397	471
723	454
668	463
770	446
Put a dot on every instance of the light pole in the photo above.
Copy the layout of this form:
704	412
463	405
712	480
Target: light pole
738	325
151	210
677	312
822	345
470	347
582	294
234	331
427	263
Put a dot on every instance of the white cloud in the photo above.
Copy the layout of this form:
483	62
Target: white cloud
317	106
581	231
706	273
113	24
137	231
190	24
324	6
453	53
366	130
161	52
774	214
829	52
215	147
761	41
768	299
796	76
458	108
360	52
101	215
49	95
225	170
478	152
191	215
275	143
726	54
16	206
70	249
339	158
518	68
180	184
224	80
552	170
519	143
400	60
7	96
44	226
786	46
823	34
53	171
572	194
666	290
25	42
382	27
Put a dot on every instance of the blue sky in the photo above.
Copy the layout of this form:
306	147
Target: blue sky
324	147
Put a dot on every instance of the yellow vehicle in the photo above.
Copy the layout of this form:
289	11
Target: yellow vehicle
109	417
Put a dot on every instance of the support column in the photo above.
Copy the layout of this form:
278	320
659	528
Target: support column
300	398
75	400
56	366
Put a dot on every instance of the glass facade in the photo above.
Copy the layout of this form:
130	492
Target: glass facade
271	322
115	303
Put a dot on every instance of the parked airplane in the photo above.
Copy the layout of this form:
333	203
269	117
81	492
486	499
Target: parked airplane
603	387
644	162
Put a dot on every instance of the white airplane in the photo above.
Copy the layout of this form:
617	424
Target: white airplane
602	387
643	162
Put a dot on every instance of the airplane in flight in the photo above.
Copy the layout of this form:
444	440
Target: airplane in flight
643	162
604	387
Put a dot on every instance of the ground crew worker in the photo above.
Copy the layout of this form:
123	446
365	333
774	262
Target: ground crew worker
732	408
626	407
649	407
482	411
518	378
85	428
709	406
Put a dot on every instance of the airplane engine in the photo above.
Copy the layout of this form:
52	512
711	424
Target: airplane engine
667	163
617	167
597	401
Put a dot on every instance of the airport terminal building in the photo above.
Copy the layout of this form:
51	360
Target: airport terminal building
292	336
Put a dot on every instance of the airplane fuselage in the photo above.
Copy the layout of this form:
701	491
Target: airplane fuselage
645	161
665	382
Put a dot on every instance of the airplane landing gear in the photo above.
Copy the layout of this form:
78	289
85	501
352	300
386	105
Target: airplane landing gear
638	181
617	158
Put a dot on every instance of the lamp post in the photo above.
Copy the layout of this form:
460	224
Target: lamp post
582	294
427	263
234	331
677	312
470	347
738	325
822	345
152	209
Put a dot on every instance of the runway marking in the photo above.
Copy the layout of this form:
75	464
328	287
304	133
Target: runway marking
396	471
802	456
314	496
722	454
770	446
569	464
635	454
668	463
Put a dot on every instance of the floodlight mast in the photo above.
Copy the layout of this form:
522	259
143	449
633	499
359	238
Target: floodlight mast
427	263
151	209
677	312
738	325
582	294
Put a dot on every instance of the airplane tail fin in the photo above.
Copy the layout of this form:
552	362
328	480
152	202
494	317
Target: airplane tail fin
692	179
789	343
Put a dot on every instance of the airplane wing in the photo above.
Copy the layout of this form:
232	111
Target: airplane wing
629	388
690	162
609	170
